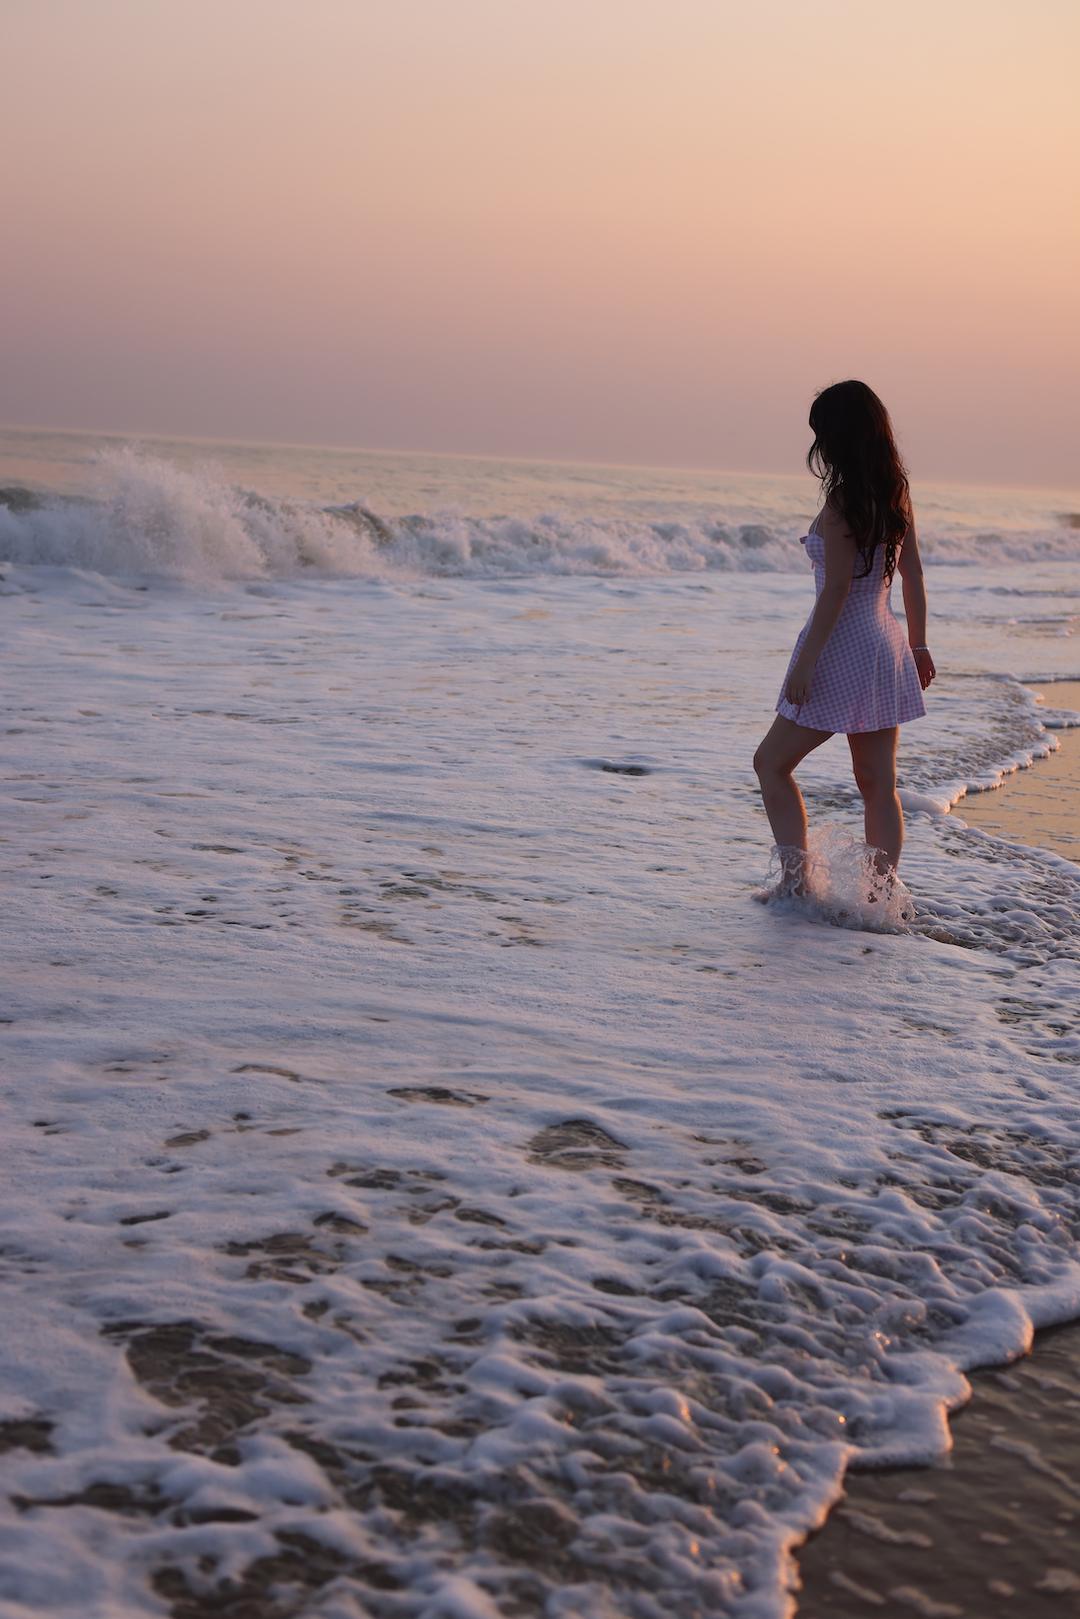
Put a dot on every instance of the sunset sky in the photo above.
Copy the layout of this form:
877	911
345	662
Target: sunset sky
625	230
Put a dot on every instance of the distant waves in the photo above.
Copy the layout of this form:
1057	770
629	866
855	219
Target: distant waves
159	520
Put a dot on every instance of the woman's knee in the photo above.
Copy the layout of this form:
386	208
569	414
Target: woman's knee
765	764
876	781
770	767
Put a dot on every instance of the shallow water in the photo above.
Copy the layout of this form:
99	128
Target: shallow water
992	1528
440	1186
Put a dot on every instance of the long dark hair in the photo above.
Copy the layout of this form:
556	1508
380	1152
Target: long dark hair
854	455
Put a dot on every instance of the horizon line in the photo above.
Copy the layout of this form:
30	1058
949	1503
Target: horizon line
133	436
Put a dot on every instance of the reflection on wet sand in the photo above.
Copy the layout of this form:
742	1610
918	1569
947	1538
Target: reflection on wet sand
1040	806
991	1532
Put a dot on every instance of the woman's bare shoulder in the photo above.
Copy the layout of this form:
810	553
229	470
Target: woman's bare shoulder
832	523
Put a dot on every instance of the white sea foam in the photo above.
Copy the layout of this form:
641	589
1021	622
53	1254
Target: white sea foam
434	1183
152	516
160	520
157	519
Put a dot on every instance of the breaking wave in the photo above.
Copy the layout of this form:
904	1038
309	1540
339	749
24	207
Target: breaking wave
156	519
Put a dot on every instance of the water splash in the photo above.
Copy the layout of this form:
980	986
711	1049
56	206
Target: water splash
840	880
163	521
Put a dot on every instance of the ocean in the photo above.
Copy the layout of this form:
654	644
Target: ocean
437	1187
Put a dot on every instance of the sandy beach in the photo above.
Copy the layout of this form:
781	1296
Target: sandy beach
1041	806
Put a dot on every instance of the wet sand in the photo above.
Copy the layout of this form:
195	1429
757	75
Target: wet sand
1040	806
993	1531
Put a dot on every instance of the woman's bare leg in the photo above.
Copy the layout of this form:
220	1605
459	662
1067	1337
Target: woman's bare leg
873	756
785	746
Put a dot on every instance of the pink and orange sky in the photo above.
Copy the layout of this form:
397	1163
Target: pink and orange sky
626	230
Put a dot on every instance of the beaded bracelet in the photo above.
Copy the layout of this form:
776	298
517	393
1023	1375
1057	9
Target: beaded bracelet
920	649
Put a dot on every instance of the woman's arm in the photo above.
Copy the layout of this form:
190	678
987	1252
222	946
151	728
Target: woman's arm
909	564
840	552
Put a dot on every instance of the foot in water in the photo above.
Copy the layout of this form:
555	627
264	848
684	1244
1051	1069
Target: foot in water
794	880
843	880
885	887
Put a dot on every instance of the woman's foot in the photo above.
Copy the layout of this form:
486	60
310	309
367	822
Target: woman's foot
793	881
886	888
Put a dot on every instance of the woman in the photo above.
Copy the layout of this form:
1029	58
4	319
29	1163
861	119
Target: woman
851	669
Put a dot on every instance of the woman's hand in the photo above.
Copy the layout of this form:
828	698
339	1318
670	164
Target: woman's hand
798	686
924	663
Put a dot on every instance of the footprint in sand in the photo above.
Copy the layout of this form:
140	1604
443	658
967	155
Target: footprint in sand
614	768
438	1094
223	1384
575	1144
268	1068
27	1433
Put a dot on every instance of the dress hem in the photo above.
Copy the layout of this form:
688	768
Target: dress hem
850	730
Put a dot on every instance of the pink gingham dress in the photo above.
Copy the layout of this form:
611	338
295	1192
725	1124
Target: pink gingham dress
865	679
